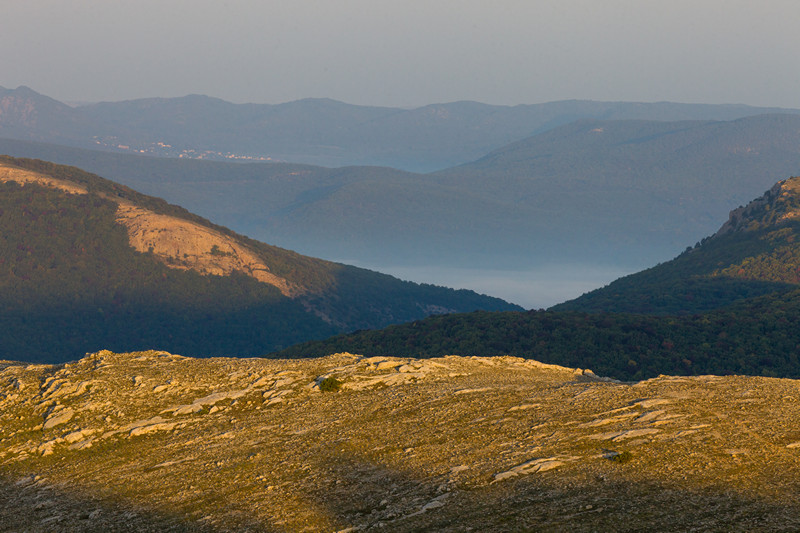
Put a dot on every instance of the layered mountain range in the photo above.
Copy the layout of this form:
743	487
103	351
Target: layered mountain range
317	131
587	183
387	431
87	263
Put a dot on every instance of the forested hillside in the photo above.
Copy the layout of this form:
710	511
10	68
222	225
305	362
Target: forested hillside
760	336
71	282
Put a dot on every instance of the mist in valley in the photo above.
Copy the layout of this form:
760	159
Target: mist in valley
536	288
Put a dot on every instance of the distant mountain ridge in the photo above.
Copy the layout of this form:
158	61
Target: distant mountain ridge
85	262
317	131
621	194
628	193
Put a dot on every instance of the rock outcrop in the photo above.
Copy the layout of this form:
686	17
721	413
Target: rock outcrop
184	245
779	204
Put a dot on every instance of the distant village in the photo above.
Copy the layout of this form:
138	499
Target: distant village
162	149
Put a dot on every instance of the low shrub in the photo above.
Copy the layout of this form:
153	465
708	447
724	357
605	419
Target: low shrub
330	384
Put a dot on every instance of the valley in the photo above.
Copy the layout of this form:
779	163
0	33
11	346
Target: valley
163	372
540	287
728	305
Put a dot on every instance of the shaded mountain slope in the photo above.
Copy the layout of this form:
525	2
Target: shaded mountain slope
87	263
635	184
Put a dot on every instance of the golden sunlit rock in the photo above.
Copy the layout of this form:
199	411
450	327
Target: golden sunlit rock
153	441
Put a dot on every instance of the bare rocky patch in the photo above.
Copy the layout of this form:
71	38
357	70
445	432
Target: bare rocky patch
185	245
23	177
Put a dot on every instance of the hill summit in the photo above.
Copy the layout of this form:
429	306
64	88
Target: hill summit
778	205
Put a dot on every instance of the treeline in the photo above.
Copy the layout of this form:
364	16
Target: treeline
758	337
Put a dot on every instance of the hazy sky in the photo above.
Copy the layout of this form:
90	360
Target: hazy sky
405	52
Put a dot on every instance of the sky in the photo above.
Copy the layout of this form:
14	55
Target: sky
405	53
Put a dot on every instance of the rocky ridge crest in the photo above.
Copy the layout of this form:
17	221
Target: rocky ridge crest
779	204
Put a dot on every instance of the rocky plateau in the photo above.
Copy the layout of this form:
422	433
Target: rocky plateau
151	441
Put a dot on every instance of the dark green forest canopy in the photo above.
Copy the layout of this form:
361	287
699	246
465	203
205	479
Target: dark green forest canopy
70	283
729	305
760	336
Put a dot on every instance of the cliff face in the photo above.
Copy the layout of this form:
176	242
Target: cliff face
184	245
153	441
779	204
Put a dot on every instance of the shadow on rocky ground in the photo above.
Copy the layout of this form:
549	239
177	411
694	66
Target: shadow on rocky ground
368	496
371	497
32	505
